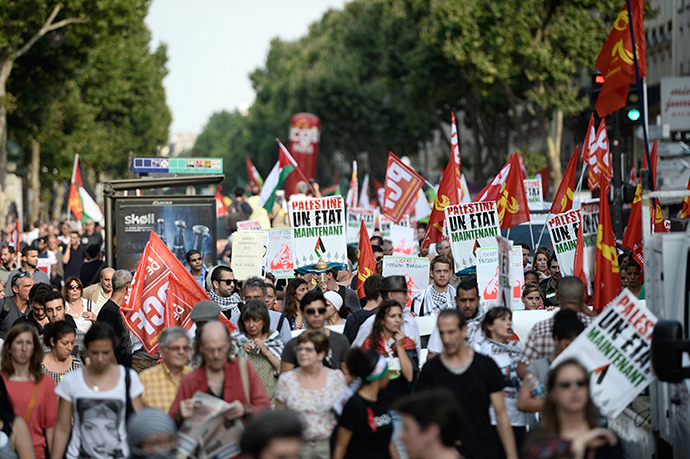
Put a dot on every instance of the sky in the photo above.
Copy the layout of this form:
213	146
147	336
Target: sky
213	46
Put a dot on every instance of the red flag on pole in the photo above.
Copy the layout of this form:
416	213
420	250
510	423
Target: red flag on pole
563	199
616	61
380	192
253	173
447	195
366	263
221	208
492	191
512	203
402	185
607	281
599	158
589	140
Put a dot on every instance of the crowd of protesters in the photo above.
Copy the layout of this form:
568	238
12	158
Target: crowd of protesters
313	371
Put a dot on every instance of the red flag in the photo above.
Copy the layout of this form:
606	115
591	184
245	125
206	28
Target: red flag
599	158
512	203
402	185
616	61
685	213
16	237
148	303
380	192
632	180
589	140
545	175
446	195
221	207
366	263
253	173
607	281
578	264
454	147
563	199
632	239
492	191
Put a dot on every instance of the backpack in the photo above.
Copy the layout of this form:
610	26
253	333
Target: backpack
236	213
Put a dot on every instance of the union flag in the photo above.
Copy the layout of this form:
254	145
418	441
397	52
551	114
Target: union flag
447	194
607	281
512	202
366	263
599	158
616	60
591	134
563	199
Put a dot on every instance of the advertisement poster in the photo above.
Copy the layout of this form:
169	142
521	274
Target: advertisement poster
403	240
563	232
182	222
247	254
615	349
468	225
355	215
280	258
534	194
488	276
318	232
415	270
589	213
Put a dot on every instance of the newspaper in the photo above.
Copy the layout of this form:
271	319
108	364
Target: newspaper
207	434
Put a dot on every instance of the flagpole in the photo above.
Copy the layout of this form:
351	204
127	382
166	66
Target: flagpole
531	234
546	222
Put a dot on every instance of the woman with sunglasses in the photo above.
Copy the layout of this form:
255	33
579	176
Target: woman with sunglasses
294	292
31	391
82	310
311	390
569	423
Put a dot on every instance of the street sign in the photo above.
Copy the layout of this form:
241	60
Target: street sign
654	132
680	136
672	165
672	149
177	165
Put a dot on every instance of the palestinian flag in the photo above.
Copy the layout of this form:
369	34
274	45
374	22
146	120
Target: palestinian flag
82	205
280	172
253	174
320	248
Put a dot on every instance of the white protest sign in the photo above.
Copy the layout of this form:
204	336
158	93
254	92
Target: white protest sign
280	257
386	223
615	350
563	232
415	270
246	225
355	215
318	232
247	254
467	223
589	213
488	276
535	200
505	276
403	240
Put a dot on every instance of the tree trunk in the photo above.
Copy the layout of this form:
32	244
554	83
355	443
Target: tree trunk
35	180
554	135
5	70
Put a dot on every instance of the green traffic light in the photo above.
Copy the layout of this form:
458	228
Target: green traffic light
634	114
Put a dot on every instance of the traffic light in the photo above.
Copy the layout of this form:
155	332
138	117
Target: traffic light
633	114
632	106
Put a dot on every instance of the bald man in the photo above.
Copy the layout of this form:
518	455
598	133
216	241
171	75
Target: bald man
100	293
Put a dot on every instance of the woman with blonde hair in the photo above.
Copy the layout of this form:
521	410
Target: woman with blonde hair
532	297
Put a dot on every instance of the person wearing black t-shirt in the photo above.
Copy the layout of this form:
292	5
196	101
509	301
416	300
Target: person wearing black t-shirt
110	314
365	429
478	383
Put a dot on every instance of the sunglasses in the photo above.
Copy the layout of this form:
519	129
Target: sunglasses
227	281
74	287
566	384
313	312
15	279
379	258
195	260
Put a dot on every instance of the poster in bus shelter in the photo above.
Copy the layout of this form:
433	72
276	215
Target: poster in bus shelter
469	226
563	232
182	222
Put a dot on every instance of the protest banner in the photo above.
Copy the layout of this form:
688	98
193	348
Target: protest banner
247	254
505	277
280	256
355	215
589	215
468	225
386	223
488	273
415	270
403	240
563	232
249	225
401	187
318	232
535	196
616	349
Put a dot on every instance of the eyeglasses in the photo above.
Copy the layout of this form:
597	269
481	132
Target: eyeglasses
566	384
177	348
226	281
305	349
20	275
313	312
74	287
194	260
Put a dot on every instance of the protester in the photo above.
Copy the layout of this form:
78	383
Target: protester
7	256
17	305
59	273
372	293
313	307
311	390
262	345
571	295
570	420
478	383
59	338
531	277
378	256
399	351
387	247
110	314
328	282
294	292
271	297
335	312
73	256
90	236
432	423
526	250
257	289
15	438
439	295
47	261
498	329
100	293
221	376
90	271
541	263
443	248
531	297
633	275
548	286
152	434
272	435
365	428
223	291
196	266
29	261
32	392
37	314
82	310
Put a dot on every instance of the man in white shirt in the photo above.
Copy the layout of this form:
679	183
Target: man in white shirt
439	295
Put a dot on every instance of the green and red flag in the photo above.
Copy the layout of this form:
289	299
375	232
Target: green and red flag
280	172
81	204
253	173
